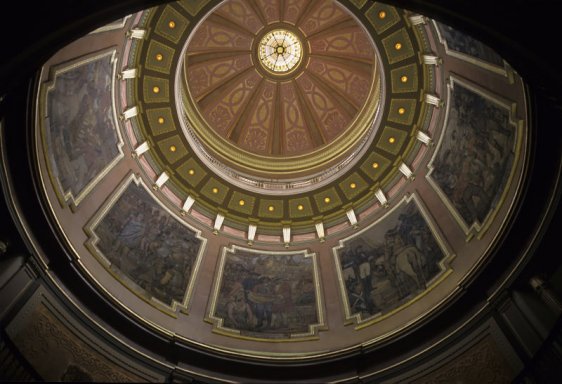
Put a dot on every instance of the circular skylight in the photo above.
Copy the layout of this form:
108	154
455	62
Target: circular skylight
280	51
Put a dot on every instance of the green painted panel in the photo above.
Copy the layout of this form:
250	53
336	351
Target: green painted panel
402	111
173	149
156	90
242	203
214	190
322	204
159	57
193	6
265	210
353	185
171	25
392	140
160	120
295	212
191	172
398	46
358	3
404	79
382	17
375	165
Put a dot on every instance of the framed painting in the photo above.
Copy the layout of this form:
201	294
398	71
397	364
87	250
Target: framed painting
145	246
79	125
391	263
267	295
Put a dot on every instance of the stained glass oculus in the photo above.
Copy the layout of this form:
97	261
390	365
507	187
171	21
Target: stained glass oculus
280	51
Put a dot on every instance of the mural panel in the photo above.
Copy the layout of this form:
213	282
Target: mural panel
266	295
80	130
146	246
388	264
466	47
475	155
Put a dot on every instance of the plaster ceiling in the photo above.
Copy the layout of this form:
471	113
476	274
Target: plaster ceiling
281	123
240	209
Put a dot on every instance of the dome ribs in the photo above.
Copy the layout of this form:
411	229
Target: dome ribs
325	14
228	23
217	93
270	10
241	14
296	137
346	23
209	70
222	112
337	97
346	79
240	122
276	145
311	119
258	11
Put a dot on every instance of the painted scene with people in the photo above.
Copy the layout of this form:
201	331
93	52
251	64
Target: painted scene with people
81	132
475	155
390	263
148	245
267	295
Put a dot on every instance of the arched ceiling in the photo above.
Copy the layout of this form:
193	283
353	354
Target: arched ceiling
280	249
300	186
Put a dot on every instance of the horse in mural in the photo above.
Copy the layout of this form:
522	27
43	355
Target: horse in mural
403	261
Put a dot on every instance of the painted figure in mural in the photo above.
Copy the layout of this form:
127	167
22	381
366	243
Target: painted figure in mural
475	154
261	297
357	300
384	291
408	261
267	295
240	313
81	133
283	305
145	243
389	264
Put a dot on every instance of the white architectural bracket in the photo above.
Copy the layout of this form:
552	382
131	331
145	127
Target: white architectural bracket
320	231
351	217
424	138
433	100
142	148
188	203
128	113
382	198
252	228
136	33
128	74
406	171
218	223
287	236
160	181
417	19
431	60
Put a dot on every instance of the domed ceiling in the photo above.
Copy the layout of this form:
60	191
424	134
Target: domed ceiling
283	114
280	180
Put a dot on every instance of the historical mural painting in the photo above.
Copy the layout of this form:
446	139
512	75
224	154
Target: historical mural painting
267	295
82	139
466	47
390	263
475	154
147	247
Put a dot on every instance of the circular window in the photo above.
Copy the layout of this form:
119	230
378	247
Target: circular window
280	51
